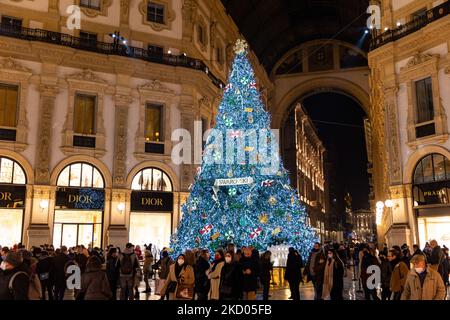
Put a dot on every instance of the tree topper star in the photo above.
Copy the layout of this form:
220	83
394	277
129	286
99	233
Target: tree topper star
240	46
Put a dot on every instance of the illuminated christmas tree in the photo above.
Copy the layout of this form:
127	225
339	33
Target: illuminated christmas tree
241	193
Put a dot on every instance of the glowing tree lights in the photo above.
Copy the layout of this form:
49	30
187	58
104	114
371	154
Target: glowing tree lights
242	193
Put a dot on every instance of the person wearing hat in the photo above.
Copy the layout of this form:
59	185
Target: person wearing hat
13	288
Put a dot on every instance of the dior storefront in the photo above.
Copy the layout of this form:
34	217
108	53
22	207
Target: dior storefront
152	206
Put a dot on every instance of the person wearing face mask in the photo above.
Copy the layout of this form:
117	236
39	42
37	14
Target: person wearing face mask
399	273
181	280
4	253
423	282
231	278
333	282
214	274
202	283
13	288
369	259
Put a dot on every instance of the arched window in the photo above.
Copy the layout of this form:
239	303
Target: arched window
11	172
432	168
82	175
151	179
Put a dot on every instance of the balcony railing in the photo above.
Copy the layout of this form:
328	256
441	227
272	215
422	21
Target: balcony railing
107	48
418	23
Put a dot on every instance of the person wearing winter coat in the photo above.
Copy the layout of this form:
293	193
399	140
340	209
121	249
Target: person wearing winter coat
44	270
129	267
399	274
60	262
94	282
293	273
202	283
231	278
148	271
214	273
312	271
265	273
11	266
423	282
368	259
250	276
180	274
81	258
386	273
333	283
113	271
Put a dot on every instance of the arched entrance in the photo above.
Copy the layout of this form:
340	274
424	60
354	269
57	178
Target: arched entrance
79	207
13	182
152	206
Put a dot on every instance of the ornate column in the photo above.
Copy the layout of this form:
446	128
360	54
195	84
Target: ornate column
187	122
125	18
392	136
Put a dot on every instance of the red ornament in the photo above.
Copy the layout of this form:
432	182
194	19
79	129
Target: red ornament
253	85
255	233
235	134
206	229
267	183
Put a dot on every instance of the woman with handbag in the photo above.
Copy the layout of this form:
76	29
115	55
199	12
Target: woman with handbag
214	275
180	282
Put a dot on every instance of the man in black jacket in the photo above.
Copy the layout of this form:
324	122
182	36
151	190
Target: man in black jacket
44	271
60	263
13	288
293	272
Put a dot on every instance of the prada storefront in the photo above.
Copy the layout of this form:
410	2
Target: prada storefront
12	201
80	201
431	191
151	216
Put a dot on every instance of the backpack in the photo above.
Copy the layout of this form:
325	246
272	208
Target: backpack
34	288
126	264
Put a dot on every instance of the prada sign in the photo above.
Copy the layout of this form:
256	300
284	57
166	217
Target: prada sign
12	196
432	193
150	201
80	198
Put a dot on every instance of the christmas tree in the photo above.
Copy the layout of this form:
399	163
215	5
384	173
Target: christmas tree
241	193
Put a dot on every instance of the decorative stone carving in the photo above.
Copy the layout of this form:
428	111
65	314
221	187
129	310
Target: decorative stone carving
393	135
120	142
46	107
169	14
124	11
213	34
447	70
156	85
87	75
189	12
419	58
10	64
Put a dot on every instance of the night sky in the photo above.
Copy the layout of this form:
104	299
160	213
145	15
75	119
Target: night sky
345	143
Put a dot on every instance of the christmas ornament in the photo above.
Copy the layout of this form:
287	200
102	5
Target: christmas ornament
230	174
204	216
253	85
255	233
215	236
217	156
242	222
264	218
235	134
228	122
248	110
206	229
272	201
250	120
197	239
292	200
249	149
229	235
249	199
289	218
228	87
276	231
198	171
223	220
267	183
232	191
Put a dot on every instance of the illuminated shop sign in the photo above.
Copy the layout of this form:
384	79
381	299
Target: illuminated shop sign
431	193
12	196
150	201
80	198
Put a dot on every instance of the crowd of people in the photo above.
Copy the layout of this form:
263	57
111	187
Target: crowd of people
231	274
